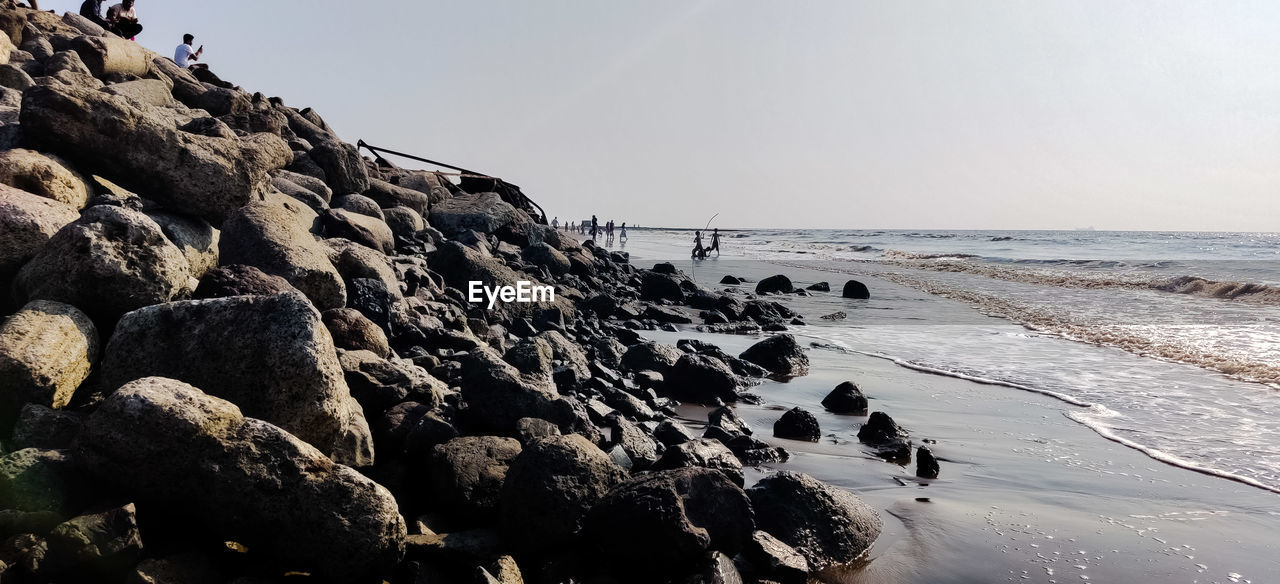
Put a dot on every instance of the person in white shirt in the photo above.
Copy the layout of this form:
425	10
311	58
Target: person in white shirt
185	56
123	20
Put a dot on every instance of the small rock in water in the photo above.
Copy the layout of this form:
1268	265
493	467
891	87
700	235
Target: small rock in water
855	289
846	398
926	465
730	280
820	287
838	315
779	284
797	424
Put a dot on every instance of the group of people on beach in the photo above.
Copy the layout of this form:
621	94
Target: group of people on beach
699	252
594	230
122	20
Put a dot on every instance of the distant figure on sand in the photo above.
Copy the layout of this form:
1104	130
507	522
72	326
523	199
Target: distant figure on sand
715	241
555	223
123	20
698	251
184	57
595	228
622	235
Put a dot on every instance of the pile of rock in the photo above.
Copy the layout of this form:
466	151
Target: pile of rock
231	348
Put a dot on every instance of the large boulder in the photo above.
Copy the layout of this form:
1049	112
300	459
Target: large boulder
467	474
270	237
650	356
46	352
846	398
824	524
36	480
43	174
797	424
145	91
343	168
110	261
104	541
460	265
855	289
542	254
188	172
498	395
481	212
388	196
781	355
703	453
663	522
702	379
194	236
193	455
240	280
27	221
109	54
270	355
371	232
549	489
778	284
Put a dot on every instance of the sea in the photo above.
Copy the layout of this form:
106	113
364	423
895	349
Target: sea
1165	342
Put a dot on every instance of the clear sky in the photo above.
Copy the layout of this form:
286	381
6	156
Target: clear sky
840	114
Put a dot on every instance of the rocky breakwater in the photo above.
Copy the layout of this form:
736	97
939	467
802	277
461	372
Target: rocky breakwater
232	349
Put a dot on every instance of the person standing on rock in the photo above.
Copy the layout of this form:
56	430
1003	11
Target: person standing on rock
124	21
184	56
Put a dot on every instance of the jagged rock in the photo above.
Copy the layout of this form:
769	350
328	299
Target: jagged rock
370	232
144	91
110	261
775	560
100	541
531	356
24	554
778	284
241	479
716	568
195	174
381	383
240	280
45	428
672	433
66	61
880	429
498	395
657	286
797	424
482	212
726	419
730	280
355	261
530	430
388	195
197	240
460	265
303	195
639	447
855	289
46	352
186	88
650	356
352	331
926	465
781	355
40	480
180	568
467	474
270	355
27	221
820	287
269	237
664	522
846	398
549	489
542	254
343	168
702	379
705	453
44	175
824	524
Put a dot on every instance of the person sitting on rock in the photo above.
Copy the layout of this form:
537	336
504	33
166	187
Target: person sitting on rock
92	9
123	20
184	57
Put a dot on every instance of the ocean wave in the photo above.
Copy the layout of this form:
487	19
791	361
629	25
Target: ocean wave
910	255
1197	286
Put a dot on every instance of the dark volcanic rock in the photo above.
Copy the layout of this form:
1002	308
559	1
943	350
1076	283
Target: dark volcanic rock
353	331
705	453
467	474
889	440
549	489
657	286
926	465
797	424
481	212
775	560
730	280
824	524
820	287
664	521
46	428
672	433
780	355
650	356
856	289
778	284
195	456
103	541
240	280
846	398
40	480
702	379
726	419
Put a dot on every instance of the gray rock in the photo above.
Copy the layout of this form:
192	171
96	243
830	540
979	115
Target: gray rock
370	232
241	479
664	522
359	204
639	447
110	261
40	480
704	453
403	221
46	351
778	284
498	395
27	221
702	379
824	524
197	240
310	183
240	280
650	356
776	560
195	174
460	265
531	356
44	175
388	195
549	489
483	213
270	355
926	465
151	92
352	331
542	254
467	475
270	237
343	168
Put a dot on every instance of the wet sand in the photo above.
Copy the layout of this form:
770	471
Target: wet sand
1025	493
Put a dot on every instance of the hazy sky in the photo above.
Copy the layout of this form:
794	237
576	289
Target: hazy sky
842	114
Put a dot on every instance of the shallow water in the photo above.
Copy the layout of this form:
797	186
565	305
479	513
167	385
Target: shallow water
1035	485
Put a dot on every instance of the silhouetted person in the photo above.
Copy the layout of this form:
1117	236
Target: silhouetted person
595	228
92	9
123	20
622	235
698	251
715	241
185	57
555	223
